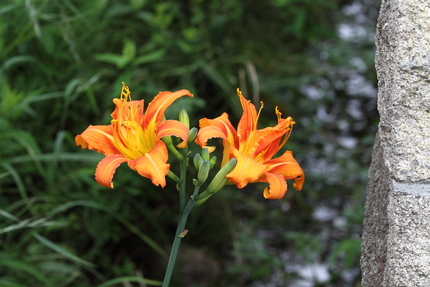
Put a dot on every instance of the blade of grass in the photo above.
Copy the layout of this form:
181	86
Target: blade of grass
71	88
28	223
145	238
83	156
8	215
20	185
54	163
5	283
17	60
61	250
21	266
8	8
130	279
30	144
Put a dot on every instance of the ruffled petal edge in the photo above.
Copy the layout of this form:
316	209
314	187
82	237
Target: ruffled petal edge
106	169
277	186
289	168
98	138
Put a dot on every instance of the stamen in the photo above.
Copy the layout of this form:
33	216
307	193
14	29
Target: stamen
288	133
125	93
278	113
258	114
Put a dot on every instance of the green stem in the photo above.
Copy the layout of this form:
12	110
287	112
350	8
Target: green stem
176	242
183	175
174	151
173	176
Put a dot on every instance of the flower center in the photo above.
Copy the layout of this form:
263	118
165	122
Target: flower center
129	136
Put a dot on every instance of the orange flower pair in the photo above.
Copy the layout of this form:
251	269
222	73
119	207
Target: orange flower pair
134	136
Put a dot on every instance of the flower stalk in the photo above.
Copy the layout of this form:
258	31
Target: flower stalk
184	213
176	242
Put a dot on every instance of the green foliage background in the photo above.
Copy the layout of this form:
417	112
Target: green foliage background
62	62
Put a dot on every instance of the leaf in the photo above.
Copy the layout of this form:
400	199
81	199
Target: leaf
42	97
53	166
83	157
129	50
62	251
130	279
137	4
5	283
119	60
17	178
30	144
27	140
10	100
150	57
16	60
28	223
8	215
8	8
145	238
21	266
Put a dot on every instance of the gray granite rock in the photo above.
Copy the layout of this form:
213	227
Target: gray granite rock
396	231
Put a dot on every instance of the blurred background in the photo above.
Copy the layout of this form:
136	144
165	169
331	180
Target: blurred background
61	64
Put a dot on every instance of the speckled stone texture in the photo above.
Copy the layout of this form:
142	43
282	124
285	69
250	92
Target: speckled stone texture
396	231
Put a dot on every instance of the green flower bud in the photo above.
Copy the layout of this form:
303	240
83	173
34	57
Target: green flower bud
212	161
201	201
197	161
192	134
203	173
184	118
205	154
218	181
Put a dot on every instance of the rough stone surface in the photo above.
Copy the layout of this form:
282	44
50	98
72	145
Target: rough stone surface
396	232
403	68
375	230
408	239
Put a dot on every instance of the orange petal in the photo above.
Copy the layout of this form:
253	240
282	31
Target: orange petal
288	167
153	164
267	142
298	182
173	128
106	169
219	127
207	133
248	121
271	139
157	107
225	152
277	186
127	110
247	169
98	138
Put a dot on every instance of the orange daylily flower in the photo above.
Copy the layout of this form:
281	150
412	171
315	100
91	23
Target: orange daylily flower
253	149
134	136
